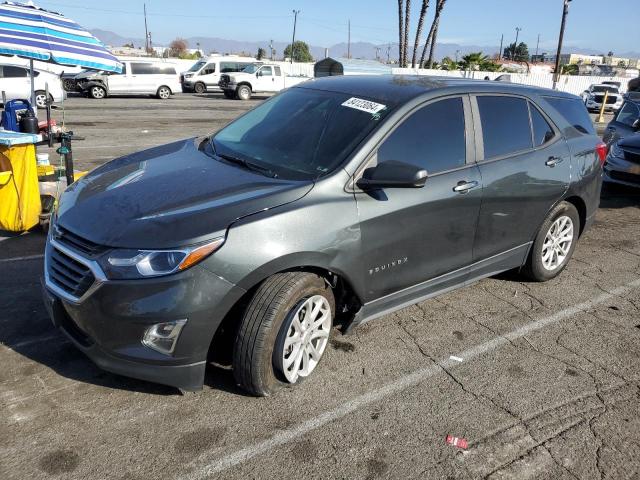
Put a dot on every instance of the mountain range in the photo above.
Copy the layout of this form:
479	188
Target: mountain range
364	50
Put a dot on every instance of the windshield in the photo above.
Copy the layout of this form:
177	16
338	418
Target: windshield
197	66
604	88
251	68
302	133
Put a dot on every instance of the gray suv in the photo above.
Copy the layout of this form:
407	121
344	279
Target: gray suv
330	204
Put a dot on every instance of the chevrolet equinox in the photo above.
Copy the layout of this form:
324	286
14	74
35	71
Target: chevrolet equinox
334	202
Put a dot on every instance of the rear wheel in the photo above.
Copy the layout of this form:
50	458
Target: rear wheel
163	92
554	244
97	92
284	332
244	92
199	87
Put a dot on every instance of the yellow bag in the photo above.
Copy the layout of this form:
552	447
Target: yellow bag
19	194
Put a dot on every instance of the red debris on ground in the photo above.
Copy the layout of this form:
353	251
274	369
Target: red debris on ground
457	441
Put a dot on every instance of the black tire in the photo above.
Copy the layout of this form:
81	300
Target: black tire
534	268
253	353
97	92
163	92
229	94
243	92
199	87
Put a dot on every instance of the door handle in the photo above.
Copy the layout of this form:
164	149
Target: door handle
553	161
463	186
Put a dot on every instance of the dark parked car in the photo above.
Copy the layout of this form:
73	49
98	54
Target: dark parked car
337	201
623	162
626	122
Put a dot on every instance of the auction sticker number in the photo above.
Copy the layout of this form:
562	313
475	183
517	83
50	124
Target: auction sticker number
364	105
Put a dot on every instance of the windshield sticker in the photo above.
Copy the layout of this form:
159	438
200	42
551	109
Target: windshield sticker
364	105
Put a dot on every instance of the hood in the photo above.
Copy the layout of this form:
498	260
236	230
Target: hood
168	196
88	75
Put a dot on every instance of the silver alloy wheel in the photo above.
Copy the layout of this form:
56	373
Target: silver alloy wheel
97	92
307	337
164	93
41	100
557	243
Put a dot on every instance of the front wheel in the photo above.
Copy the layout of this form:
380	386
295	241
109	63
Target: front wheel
284	332
199	87
163	93
97	92
244	92
554	244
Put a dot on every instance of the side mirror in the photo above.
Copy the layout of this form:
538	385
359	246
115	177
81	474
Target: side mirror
259	73
392	174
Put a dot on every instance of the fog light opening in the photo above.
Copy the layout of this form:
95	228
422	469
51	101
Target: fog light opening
163	337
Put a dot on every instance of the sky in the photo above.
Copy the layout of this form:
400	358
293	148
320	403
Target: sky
606	25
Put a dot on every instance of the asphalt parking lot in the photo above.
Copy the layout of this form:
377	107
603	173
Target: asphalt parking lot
544	382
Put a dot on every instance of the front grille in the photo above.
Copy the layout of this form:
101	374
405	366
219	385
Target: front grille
73	277
624	177
631	156
600	98
75	242
224	80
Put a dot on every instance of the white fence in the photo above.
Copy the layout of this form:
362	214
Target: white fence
568	83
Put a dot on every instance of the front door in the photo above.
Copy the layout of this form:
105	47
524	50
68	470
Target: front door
412	235
119	83
266	80
623	123
208	75
526	168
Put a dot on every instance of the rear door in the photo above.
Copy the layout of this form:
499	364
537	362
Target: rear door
525	167
622	124
143	78
411	235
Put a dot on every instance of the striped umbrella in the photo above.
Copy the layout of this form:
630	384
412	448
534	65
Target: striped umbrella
31	32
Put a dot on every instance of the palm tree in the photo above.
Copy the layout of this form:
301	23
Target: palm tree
469	61
429	36
436	22
423	12
407	18
400	32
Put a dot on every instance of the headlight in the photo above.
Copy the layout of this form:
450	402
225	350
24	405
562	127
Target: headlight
616	151
129	264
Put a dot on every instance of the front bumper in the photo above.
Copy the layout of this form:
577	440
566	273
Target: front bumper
108	323
621	171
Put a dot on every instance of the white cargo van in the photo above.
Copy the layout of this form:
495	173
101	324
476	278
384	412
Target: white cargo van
138	77
205	74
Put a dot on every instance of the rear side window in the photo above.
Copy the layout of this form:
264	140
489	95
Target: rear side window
151	69
14	72
432	138
505	125
278	71
574	112
627	115
542	131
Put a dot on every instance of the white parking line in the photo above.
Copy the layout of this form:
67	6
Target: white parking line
19	259
410	380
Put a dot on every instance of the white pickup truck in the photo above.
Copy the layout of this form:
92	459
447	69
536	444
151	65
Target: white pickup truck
265	78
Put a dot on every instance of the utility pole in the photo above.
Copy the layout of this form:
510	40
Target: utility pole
515	45
293	42
377	53
388	54
457	54
565	12
537	45
349	40
500	51
146	31
271	49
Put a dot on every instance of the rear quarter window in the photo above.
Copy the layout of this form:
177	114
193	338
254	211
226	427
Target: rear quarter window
574	111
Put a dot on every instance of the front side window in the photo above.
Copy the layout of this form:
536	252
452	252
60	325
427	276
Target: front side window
505	125
298	134
433	138
542	131
627	115
211	68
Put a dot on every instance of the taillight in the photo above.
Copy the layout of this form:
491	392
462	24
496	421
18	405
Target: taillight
601	150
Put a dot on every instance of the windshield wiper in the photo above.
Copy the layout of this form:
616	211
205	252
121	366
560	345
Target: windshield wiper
248	165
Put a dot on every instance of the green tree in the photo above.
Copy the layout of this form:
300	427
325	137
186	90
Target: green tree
301	52
569	69
518	53
261	53
479	61
449	64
